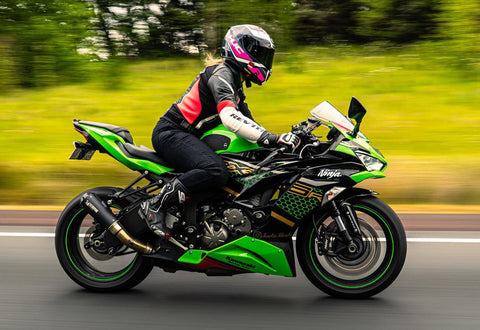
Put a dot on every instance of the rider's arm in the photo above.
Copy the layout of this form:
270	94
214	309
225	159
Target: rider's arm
243	106
223	91
235	121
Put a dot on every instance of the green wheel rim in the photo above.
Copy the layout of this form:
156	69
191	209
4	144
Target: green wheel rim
351	286
82	272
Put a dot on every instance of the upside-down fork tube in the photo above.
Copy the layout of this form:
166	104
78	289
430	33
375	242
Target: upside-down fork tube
102	213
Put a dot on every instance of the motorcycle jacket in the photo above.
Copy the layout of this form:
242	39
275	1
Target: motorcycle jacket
216	97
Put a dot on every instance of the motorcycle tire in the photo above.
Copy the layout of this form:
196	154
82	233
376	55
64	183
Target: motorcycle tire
362	276
90	269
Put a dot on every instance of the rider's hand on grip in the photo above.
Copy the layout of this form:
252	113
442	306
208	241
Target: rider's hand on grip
290	140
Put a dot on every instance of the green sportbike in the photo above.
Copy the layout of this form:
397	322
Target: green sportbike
348	242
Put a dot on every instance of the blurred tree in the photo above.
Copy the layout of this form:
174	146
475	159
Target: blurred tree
7	63
459	23
148	28
460	19
319	21
398	21
273	16
41	39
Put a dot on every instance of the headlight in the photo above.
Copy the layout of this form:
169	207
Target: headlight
371	163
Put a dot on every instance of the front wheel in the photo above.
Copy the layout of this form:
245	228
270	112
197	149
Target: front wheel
380	257
91	266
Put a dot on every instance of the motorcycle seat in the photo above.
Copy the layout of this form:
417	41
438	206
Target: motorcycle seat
121	131
143	152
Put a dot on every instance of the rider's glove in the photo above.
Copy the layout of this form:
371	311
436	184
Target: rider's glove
290	140
267	139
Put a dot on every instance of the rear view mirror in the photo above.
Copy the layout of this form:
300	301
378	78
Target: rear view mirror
356	111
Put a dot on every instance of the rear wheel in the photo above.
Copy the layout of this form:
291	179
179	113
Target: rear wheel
380	255
86	259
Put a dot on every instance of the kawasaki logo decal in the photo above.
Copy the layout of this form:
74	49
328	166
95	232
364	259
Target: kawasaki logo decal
239	263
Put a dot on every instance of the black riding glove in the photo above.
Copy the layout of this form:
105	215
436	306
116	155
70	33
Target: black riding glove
268	139
290	140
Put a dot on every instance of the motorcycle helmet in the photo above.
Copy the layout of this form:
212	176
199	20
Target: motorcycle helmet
250	49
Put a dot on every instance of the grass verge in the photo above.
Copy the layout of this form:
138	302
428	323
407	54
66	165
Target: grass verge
422	114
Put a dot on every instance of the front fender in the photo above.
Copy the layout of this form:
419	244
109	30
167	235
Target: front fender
356	192
345	194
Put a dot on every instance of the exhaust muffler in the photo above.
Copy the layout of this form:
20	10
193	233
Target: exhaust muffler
102	213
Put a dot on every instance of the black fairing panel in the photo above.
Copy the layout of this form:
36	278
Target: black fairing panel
121	131
356	192
143	152
217	142
332	172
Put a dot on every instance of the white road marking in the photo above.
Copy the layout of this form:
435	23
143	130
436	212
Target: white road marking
7	234
413	240
444	240
13	234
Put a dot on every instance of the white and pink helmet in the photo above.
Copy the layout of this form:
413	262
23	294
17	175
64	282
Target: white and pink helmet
251	49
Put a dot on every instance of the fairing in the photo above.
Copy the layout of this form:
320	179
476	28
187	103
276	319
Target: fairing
328	114
223	140
110	141
245	254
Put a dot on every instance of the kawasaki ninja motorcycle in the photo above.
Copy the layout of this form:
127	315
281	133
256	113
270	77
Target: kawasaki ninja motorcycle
348	242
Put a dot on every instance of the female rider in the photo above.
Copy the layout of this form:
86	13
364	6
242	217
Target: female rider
215	97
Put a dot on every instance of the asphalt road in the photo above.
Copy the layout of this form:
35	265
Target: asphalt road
411	221
439	288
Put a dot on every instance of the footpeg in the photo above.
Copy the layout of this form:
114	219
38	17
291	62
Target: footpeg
177	243
157	231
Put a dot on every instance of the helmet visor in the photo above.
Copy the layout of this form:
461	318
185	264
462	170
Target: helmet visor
262	54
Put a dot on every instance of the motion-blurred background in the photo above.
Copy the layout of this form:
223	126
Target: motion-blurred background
414	64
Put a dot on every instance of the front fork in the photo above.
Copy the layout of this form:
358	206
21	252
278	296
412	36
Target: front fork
345	209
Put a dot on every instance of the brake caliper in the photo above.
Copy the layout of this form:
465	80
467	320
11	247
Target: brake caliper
326	241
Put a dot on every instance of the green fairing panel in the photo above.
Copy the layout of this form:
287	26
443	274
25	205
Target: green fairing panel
247	253
360	176
108	140
237	143
361	141
345	150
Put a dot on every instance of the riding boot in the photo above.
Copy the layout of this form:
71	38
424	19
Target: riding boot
153	210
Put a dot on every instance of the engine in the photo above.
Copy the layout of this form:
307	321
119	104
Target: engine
223	226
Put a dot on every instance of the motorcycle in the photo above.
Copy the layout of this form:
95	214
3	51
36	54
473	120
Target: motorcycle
348	242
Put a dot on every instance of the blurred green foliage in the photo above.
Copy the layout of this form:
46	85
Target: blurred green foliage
415	64
274	16
147	28
39	41
421	114
52	42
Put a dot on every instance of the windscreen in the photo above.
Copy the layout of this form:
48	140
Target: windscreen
328	113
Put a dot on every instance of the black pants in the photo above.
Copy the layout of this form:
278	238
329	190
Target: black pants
204	169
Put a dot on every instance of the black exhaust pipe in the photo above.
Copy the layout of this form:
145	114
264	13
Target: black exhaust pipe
102	213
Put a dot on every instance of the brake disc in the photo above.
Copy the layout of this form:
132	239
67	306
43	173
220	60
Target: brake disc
362	261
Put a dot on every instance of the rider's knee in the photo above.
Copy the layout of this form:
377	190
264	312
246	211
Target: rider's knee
219	174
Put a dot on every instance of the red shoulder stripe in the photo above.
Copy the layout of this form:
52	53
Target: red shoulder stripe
224	104
191	107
